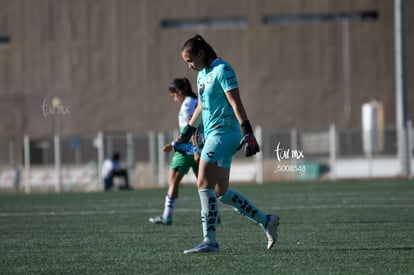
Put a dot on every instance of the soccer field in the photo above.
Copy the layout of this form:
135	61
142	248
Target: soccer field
325	228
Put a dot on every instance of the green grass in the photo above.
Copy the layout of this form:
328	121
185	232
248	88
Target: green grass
326	228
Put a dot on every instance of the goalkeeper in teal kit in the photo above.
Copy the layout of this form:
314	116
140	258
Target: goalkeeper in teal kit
223	116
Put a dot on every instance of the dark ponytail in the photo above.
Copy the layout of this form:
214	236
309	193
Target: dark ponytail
182	84
188	89
197	43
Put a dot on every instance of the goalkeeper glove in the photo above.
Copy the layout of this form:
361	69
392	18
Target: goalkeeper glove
184	138
187	133
249	141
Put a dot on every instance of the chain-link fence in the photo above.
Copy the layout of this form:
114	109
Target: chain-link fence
73	163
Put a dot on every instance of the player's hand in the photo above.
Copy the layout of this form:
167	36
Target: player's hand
250	144
167	148
197	158
249	141
176	147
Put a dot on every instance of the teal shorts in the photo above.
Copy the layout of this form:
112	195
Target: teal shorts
220	147
182	164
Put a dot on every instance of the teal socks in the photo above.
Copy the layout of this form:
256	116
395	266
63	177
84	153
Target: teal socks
209	214
210	207
243	206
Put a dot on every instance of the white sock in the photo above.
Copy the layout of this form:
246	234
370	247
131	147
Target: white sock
169	207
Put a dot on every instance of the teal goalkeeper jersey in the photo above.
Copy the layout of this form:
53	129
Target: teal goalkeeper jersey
213	83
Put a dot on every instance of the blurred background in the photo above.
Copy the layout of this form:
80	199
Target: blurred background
320	79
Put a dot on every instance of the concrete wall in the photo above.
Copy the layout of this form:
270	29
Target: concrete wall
110	61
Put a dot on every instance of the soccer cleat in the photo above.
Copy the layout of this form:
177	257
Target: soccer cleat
271	230
204	248
160	220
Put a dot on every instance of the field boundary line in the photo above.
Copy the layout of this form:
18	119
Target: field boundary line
183	210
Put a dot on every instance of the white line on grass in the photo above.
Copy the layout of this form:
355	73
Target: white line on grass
113	212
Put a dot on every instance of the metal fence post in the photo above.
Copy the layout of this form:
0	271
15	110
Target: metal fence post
259	156
57	163
410	148
162	181
332	151
100	145
26	148
130	153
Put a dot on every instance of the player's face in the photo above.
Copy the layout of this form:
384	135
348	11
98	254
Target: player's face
177	96
194	62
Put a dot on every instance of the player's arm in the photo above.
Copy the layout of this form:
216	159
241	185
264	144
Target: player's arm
248	141
233	96
196	117
192	125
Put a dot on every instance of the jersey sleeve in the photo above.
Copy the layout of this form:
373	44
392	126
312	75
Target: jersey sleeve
227	78
187	109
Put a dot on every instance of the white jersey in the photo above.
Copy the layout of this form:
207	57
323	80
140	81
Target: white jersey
186	111
108	166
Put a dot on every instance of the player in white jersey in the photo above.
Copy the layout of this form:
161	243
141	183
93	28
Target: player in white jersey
182	93
223	115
